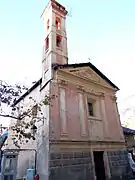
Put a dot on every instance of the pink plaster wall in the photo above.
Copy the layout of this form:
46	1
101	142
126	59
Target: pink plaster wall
54	113
114	126
74	130
72	115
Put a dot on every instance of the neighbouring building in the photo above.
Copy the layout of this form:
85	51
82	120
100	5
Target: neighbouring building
129	135
81	136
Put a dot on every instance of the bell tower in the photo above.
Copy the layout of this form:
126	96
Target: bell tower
55	38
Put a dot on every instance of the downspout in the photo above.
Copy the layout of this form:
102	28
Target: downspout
35	161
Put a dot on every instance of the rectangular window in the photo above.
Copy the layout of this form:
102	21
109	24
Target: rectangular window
90	109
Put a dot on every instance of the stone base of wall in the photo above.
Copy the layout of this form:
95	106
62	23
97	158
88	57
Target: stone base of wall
78	166
71	166
119	165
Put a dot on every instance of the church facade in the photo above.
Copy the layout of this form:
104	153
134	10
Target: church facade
81	137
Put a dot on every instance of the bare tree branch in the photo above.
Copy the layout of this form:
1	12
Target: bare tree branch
25	117
9	116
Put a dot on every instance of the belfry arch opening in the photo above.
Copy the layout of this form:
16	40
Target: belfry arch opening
47	43
58	23
48	24
58	41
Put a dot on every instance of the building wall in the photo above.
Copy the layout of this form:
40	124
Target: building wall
26	159
130	140
71	165
78	165
75	136
69	113
73	160
66	120
119	165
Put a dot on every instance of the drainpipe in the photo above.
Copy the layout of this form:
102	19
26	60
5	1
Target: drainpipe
35	161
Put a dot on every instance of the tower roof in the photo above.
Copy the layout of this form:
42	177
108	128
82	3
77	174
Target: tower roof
57	6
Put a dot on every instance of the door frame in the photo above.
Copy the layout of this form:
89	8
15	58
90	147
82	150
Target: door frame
106	163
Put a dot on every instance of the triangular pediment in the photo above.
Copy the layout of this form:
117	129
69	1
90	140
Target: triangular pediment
88	74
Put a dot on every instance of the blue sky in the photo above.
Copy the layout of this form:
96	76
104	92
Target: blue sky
101	30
